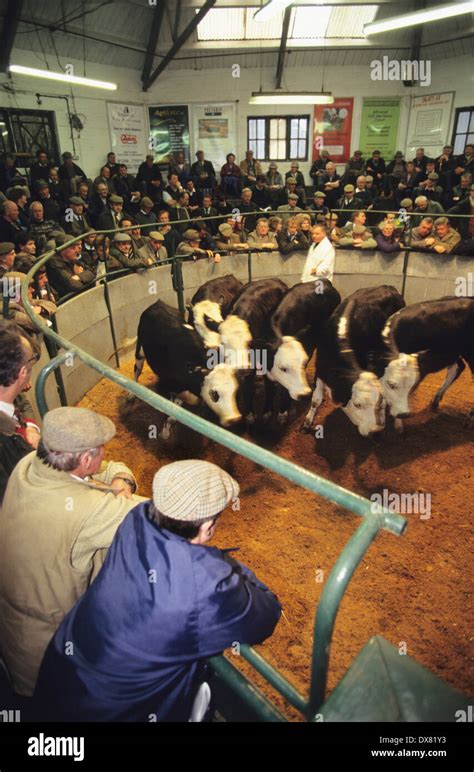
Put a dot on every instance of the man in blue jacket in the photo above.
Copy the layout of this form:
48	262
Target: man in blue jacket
134	646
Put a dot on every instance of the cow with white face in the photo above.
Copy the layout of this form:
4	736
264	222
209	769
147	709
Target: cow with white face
177	355
425	338
210	305
349	353
236	338
297	325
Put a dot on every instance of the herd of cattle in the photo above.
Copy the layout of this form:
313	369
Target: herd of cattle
372	349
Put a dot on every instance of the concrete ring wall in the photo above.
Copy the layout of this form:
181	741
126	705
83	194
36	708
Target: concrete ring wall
84	320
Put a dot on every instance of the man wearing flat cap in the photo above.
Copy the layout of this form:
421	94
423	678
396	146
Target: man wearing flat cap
122	250
7	257
189	248
163	602
154	250
74	220
60	512
65	273
112	217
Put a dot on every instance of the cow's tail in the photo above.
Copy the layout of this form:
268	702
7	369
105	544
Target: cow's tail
139	358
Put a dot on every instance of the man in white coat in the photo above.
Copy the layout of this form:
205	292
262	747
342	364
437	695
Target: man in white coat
320	258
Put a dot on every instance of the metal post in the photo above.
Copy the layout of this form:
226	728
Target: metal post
248	693
249	264
41	381
111	321
178	285
328	607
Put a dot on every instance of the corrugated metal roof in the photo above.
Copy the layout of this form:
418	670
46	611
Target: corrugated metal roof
349	22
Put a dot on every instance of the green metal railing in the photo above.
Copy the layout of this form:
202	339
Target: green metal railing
374	520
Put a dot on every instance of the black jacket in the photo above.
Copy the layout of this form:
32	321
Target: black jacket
12	448
60	272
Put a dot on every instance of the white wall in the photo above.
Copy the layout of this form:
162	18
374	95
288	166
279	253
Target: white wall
188	87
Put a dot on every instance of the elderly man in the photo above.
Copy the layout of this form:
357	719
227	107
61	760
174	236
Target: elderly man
359	237
290	209
445	238
146	215
154	250
75	221
65	273
111	218
188	601
421	236
60	512
348	204
320	258
70	175
40	228
149	179
7	257
423	207
388	240
19	433
203	173
99	202
190	248
261	238
291	239
250	169
122	250
9	228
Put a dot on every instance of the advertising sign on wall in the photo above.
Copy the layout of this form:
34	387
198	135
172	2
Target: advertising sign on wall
379	126
169	132
128	133
214	131
332	129
428	127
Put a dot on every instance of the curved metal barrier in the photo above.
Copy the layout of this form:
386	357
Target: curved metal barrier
76	328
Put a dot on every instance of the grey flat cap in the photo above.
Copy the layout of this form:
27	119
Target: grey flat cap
191	235
76	200
116	199
225	229
6	247
293	196
73	429
122	237
156	236
193	490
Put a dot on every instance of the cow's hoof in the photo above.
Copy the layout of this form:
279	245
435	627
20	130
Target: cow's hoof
266	417
250	419
282	418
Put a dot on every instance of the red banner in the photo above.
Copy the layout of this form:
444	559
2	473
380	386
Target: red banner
332	129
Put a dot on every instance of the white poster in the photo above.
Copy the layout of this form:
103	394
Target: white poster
429	122
128	133
213	131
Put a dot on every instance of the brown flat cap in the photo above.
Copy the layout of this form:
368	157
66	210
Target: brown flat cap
191	235
146	202
156	236
116	199
6	247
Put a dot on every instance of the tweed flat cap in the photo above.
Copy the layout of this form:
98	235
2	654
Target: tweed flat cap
156	236
193	490
293	196
406	202
349	188
225	229
294	164
116	199
146	202
191	235
122	237
433	176
290	181
319	194
73	429
76	200
6	247
273	165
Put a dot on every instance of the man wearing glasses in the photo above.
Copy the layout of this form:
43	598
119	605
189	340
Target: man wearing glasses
19	434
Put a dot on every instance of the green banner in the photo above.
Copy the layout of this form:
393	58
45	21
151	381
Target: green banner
379	126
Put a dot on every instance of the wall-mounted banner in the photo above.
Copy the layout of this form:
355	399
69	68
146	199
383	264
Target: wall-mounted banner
379	126
214	131
332	129
428	126
128	133
169	132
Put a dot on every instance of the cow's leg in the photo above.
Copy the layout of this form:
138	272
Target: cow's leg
269	398
452	375
165	433
316	401
248	388
285	402
139	361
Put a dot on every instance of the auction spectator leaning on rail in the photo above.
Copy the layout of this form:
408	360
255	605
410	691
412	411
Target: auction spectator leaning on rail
59	515
163	602
19	433
65	273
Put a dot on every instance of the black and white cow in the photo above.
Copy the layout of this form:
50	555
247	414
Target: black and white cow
177	355
425	338
254	306
297	325
349	354
210	305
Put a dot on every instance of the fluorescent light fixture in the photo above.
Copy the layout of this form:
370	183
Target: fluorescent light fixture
290	98
271	9
418	17
61	77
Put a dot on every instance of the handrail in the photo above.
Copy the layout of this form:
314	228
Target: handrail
374	519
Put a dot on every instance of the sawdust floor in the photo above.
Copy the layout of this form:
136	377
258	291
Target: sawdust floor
415	589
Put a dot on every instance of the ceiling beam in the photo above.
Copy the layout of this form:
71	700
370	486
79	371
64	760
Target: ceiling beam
283	42
153	39
177	19
7	37
179	42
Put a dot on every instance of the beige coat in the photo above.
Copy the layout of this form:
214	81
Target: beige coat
54	534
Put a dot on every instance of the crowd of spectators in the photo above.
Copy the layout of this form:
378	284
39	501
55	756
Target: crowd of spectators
195	212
